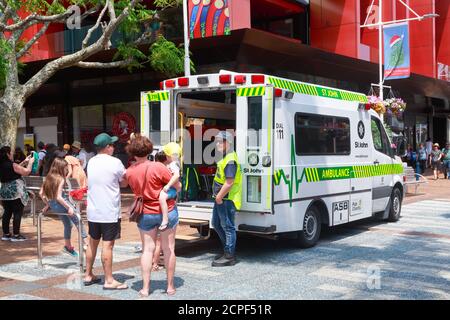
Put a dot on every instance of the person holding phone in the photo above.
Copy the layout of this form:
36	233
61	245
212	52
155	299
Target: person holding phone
13	192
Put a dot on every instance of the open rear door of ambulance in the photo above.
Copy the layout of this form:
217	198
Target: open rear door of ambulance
156	115
254	147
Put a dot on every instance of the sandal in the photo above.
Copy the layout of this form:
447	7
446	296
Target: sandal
117	286
94	280
171	292
156	268
143	294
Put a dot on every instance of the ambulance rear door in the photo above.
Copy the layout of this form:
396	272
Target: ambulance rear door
254	146
156	115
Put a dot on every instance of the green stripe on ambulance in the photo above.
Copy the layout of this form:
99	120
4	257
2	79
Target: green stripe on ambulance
319	91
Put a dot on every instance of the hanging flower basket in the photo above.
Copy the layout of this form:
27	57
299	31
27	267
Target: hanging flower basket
376	104
396	106
391	106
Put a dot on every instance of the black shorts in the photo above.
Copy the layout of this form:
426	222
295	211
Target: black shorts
104	231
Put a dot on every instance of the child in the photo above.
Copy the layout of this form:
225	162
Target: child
53	196
169	156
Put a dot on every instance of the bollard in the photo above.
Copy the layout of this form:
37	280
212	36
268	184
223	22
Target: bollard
80	244
39	235
80	241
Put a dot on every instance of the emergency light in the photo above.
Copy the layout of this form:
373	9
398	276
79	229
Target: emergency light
258	79
170	83
202	80
183	82
225	78
364	106
289	95
278	92
240	79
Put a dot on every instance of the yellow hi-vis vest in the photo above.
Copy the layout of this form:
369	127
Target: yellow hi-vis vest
235	193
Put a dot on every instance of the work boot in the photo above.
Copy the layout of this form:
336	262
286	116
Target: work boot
218	256
225	261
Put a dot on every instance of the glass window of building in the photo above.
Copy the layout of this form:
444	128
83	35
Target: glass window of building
87	122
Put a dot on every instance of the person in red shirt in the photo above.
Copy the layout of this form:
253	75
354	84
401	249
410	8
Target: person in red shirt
148	178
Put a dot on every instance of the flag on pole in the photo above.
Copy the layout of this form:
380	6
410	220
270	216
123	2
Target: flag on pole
396	51
208	18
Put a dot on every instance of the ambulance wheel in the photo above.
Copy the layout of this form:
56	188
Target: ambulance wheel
310	234
396	206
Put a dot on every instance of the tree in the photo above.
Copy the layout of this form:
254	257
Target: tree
131	17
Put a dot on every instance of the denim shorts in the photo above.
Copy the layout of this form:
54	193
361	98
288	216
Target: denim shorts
148	222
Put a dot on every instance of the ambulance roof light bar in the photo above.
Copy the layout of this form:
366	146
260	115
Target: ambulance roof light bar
183	82
225	78
258	79
203	80
240	79
170	83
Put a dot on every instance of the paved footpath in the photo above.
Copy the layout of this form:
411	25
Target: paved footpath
409	259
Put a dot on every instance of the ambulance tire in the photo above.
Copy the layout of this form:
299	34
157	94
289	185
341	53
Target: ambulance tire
312	224
396	205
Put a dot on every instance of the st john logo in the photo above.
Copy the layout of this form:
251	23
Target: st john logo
361	130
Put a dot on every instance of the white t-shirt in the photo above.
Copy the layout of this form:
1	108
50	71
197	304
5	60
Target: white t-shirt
42	154
174	167
105	173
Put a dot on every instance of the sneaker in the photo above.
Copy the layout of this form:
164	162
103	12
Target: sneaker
217	257
70	251
137	249
6	237
18	238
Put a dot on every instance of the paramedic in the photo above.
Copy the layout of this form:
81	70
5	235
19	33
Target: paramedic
227	191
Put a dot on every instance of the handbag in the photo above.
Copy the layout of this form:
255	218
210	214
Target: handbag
137	207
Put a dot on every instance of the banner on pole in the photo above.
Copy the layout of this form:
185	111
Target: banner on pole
396	51
208	18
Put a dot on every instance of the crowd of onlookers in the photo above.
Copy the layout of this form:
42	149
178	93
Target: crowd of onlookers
102	176
430	155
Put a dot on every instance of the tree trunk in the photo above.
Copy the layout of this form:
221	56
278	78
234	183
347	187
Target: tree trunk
10	109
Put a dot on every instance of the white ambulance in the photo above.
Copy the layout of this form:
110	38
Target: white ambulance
321	155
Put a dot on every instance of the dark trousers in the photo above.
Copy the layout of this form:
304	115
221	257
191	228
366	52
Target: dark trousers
12	208
223	222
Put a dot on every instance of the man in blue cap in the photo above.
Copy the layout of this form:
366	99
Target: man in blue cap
105	177
227	191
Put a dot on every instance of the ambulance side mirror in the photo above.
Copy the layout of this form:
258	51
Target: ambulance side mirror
400	148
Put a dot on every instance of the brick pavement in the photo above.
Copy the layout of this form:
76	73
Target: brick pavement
21	279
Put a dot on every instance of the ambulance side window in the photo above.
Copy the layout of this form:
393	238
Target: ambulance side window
321	135
254	121
380	138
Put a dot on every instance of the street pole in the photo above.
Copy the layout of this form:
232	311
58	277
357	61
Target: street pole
187	61
380	48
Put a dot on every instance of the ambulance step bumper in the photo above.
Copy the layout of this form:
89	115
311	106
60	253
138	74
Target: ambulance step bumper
257	229
202	227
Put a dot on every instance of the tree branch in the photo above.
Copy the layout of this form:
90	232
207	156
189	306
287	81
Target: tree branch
95	26
111	10
33	19
69	60
33	40
104	65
